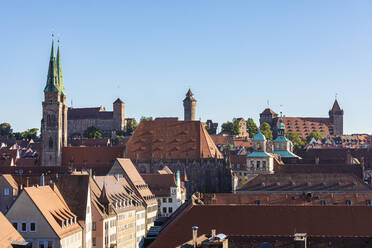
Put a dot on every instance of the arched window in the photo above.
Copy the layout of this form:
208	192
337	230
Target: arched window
50	143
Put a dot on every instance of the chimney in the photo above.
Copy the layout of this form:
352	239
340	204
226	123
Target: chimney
178	179
195	236
42	180
213	234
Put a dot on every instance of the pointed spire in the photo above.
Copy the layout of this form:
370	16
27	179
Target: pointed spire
189	96
336	106
59	70
52	79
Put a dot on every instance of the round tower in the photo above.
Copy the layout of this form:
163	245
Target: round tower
189	106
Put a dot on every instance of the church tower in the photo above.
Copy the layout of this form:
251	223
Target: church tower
189	106
336	115
54	121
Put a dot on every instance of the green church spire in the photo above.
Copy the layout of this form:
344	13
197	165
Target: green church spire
60	75
52	79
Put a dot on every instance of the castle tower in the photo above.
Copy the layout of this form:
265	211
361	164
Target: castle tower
336	115
119	118
54	121
189	106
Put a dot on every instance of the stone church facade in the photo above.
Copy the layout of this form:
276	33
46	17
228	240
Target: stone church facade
54	121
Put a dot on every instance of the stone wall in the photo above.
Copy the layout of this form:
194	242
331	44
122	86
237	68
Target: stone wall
204	175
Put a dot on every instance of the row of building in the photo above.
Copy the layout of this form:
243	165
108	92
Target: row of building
84	210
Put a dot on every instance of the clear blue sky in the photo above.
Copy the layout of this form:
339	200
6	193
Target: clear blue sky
235	55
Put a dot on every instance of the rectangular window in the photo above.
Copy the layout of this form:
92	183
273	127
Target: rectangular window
41	244
32	227
94	242
94	225
23	227
6	191
50	244
170	200
164	210
170	210
164	199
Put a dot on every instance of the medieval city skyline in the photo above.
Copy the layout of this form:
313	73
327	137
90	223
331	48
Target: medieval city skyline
152	76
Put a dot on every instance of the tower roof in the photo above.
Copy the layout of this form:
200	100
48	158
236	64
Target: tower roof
60	75
268	111
189	96
336	106
52	79
118	100
259	136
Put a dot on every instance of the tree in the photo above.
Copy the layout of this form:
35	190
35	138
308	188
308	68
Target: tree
231	127
266	130
5	129
30	134
144	118
92	132
252	128
17	136
315	135
297	140
131	126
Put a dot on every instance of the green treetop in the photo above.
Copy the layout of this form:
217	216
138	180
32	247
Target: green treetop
266	130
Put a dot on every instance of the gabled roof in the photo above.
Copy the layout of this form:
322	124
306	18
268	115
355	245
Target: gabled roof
74	189
53	208
85	157
249	220
160	184
314	182
8	233
304	125
171	139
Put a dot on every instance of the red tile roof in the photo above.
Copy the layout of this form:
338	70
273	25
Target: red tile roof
249	220
171	138
81	157
160	183
88	113
305	125
268	111
8	233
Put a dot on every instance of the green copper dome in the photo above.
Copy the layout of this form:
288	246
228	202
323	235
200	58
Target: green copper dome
259	136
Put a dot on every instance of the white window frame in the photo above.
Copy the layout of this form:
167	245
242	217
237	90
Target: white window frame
29	226
45	243
20	227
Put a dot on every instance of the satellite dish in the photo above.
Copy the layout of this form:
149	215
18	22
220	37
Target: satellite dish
266	245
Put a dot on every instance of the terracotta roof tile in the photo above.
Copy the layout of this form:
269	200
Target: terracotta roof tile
160	183
174	139
50	206
8	233
250	220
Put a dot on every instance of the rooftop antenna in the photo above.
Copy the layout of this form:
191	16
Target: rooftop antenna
336	96
268	103
71	103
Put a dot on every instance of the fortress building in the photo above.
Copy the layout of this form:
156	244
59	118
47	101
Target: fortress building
333	125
